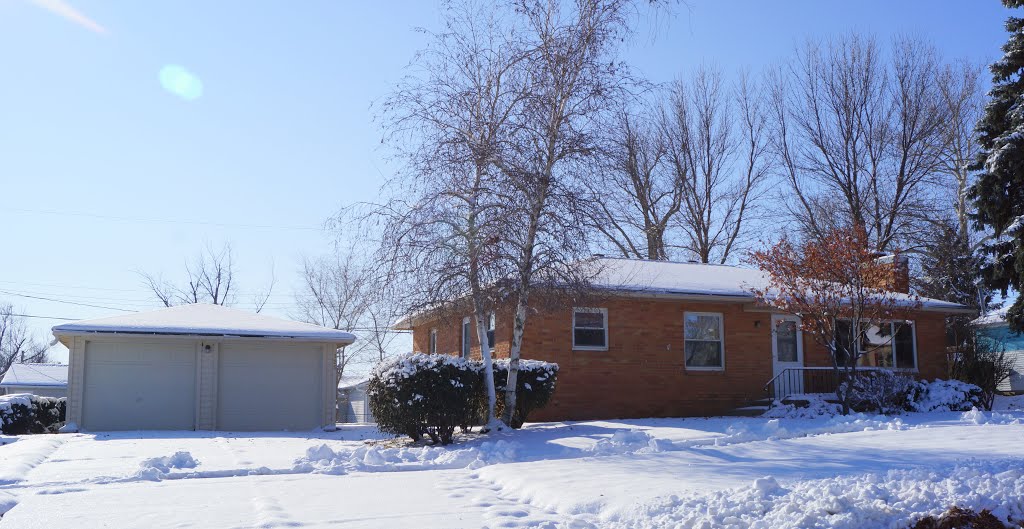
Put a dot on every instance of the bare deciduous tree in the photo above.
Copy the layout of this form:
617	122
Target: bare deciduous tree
16	343
717	151
210	278
859	138
343	293
635	198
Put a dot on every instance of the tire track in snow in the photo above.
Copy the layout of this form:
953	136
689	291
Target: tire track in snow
268	512
20	458
500	509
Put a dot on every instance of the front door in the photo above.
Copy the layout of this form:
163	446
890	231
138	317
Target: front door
787	353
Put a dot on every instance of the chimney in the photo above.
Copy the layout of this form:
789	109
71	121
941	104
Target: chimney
899	280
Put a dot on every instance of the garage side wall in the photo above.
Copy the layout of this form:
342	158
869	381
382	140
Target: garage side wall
76	380
329	386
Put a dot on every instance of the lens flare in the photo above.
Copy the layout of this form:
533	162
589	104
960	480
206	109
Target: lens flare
181	82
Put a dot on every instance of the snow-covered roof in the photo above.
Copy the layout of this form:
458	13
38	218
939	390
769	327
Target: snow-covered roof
51	375
670	278
994	318
347	382
646	278
202	319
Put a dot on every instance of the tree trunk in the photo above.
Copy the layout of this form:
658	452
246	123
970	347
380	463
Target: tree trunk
485	354
513	362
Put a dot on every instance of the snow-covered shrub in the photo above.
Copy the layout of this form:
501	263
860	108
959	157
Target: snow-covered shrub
944	395
982	362
818	405
25	413
535	383
881	391
420	394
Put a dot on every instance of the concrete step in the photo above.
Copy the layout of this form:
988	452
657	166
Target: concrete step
803	403
747	411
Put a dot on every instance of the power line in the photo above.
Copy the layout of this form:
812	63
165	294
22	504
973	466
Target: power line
65	302
141	291
58	285
44	317
159	221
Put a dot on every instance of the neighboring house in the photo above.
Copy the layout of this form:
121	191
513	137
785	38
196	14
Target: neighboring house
200	367
994	327
353	401
678	339
46	380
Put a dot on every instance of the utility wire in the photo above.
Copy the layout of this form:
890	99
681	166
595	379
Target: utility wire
159	221
44	317
62	301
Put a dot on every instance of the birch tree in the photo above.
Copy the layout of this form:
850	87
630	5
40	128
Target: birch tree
574	77
450	122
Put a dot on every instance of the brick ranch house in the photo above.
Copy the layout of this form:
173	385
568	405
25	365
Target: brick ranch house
678	339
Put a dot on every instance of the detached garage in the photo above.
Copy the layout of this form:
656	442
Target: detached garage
200	367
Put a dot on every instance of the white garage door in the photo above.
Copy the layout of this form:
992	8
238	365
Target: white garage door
269	387
139	386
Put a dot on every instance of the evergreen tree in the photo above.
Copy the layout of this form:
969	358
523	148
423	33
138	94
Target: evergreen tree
998	193
949	271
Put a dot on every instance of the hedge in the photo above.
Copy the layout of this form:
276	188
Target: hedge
425	394
28	414
431	395
535	384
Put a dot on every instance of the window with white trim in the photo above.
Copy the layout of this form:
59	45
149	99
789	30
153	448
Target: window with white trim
590	329
704	347
466	337
491	321
433	341
891	345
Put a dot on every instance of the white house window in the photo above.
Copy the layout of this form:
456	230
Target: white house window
889	345
590	329
466	335
433	341
787	348
491	321
702	333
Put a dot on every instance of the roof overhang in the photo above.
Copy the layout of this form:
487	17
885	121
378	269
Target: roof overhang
65	336
32	385
407	323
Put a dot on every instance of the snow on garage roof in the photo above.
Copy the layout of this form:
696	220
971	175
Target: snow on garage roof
994	318
654	278
202	319
36	375
347	381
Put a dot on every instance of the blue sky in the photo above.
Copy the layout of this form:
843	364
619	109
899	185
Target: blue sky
103	172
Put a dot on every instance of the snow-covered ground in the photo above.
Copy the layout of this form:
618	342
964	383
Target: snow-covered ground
721	472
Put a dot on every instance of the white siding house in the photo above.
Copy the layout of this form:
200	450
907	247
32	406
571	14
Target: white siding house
200	367
45	380
353	401
993	326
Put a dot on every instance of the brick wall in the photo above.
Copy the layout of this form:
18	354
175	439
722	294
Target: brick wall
642	374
